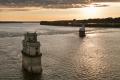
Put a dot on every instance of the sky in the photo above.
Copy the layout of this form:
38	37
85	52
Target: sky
39	10
48	3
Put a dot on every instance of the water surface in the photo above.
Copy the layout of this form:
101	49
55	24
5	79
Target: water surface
65	55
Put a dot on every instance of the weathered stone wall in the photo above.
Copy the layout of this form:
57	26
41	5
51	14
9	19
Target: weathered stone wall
32	64
31	56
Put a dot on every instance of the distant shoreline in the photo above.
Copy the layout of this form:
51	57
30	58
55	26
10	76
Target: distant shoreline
103	22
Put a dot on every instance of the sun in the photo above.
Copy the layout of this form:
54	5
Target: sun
90	11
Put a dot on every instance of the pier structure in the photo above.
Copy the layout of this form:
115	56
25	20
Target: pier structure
82	31
31	55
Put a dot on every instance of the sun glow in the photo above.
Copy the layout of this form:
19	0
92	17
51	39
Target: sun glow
90	11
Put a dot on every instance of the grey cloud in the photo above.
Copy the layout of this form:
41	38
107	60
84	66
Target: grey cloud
51	3
105	0
40	2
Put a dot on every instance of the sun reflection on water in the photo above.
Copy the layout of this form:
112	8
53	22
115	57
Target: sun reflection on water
90	58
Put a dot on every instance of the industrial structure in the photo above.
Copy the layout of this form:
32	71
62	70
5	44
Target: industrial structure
31	55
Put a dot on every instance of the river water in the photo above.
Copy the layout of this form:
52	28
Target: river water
65	56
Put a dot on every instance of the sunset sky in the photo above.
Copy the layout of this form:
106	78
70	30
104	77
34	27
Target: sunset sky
39	10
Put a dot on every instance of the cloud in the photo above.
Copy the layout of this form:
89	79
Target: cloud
105	0
40	2
13	9
51	3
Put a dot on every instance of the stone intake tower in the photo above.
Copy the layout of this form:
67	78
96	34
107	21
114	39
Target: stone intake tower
31	56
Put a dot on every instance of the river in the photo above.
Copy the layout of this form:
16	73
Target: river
65	56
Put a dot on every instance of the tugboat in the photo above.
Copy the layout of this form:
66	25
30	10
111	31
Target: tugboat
82	31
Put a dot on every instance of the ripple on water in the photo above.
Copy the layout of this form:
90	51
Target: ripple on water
66	56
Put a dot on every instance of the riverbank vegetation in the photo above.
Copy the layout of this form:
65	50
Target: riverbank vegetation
103	22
